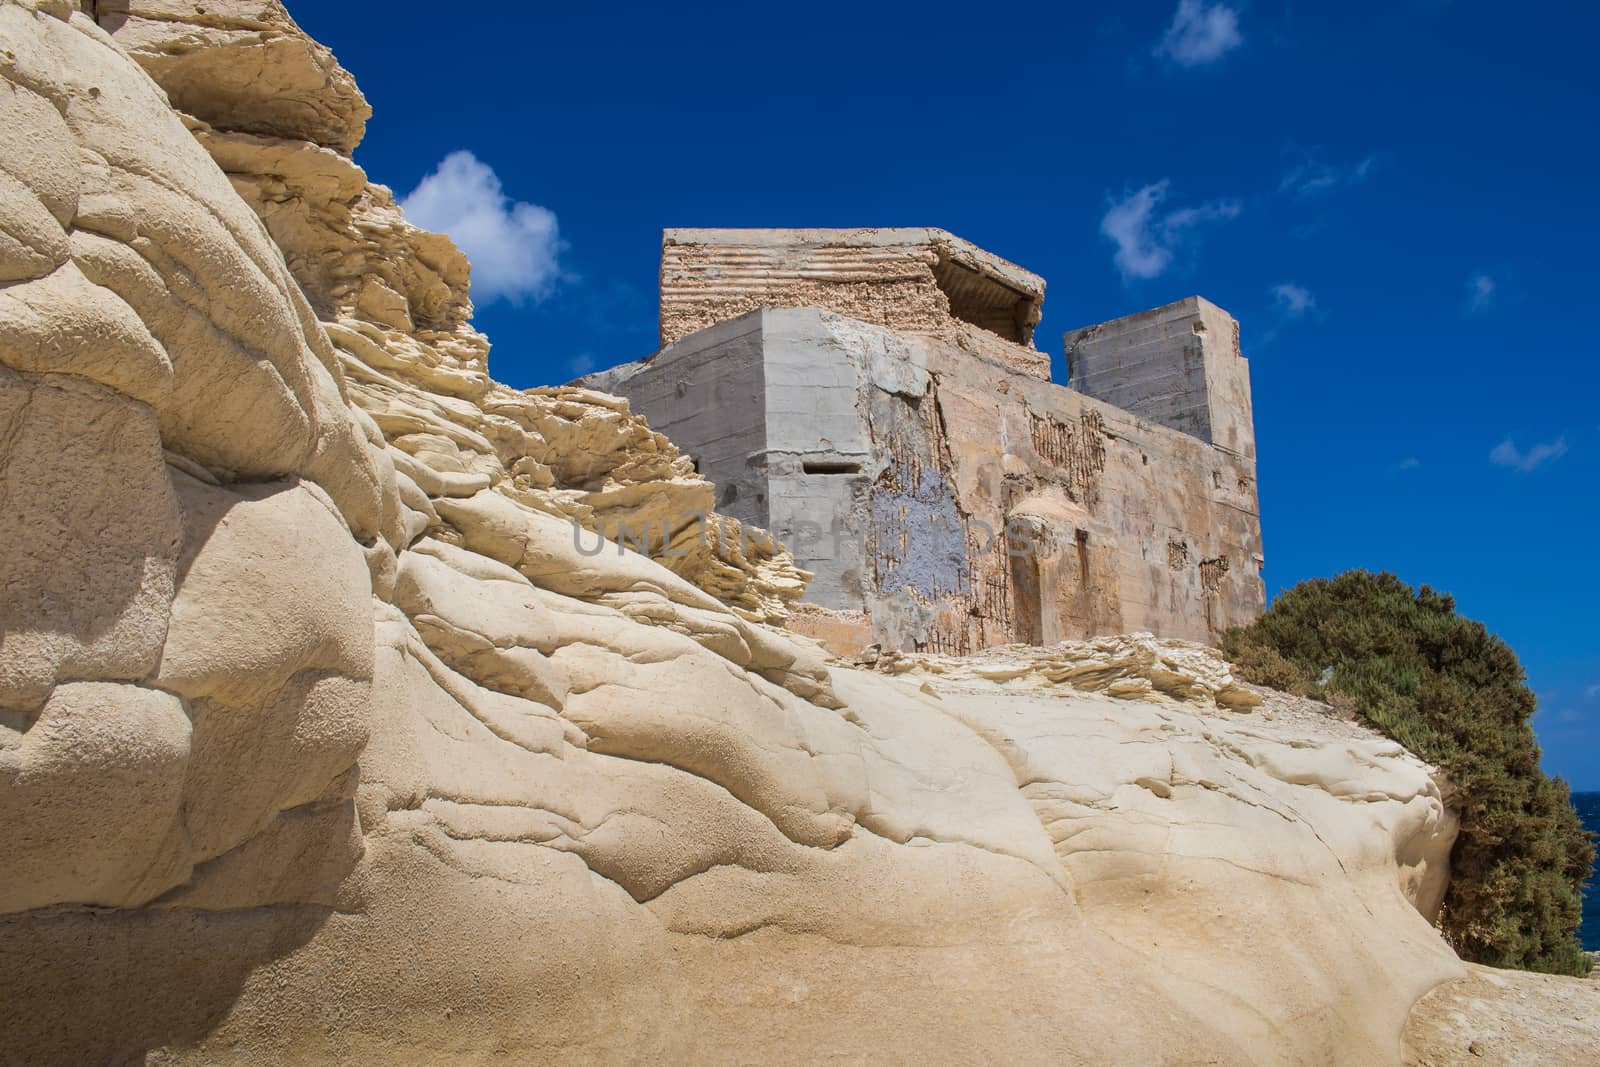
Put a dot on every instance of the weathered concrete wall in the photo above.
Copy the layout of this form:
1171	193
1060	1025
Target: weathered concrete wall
1178	365
960	503
1135	526
917	280
709	390
771	401
818	453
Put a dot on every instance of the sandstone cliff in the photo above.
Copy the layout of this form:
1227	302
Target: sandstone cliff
322	740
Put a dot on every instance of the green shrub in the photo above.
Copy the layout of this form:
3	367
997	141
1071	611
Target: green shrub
1454	694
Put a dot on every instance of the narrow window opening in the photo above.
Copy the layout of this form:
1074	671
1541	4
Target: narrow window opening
830	467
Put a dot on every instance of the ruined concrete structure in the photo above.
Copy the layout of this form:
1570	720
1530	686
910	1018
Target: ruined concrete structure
875	397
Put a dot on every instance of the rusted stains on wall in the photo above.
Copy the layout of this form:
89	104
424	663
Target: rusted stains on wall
1079	451
947	642
918	530
991	587
1051	464
1212	571
1177	555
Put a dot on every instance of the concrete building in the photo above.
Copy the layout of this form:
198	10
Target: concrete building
874	397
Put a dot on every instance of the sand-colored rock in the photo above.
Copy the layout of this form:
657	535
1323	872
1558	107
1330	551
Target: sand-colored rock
393	303
1132	666
95	522
190	488
243	64
1495	1018
321	740
93	798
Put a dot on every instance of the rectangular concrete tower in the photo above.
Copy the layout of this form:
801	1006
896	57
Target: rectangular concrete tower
1178	365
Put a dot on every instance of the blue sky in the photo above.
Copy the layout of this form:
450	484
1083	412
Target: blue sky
1396	200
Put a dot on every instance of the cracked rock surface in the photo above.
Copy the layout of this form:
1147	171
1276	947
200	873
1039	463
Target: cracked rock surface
323	739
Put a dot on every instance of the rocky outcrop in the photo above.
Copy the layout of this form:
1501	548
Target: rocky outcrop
1497	1018
323	739
188	651
1135	666
240	64
393	302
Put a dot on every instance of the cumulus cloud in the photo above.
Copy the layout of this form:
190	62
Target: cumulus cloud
514	246
1480	292
1148	238
1200	34
1312	176
1294	300
1507	454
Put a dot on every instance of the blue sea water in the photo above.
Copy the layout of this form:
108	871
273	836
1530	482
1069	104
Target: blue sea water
1588	805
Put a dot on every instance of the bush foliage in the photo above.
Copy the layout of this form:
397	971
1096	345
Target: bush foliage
1454	694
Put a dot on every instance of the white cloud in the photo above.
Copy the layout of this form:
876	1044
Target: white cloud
1295	300
514	246
1312	177
1480	292
1148	239
1507	454
1200	34
1593	692
1410	463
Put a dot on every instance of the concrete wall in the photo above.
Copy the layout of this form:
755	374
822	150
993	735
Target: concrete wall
708	394
817	452
1227	382
768	405
1139	527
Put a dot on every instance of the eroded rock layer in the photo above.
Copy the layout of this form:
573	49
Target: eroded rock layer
322	738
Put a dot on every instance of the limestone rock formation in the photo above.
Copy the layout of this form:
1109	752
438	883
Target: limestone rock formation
1496	1018
393	302
324	739
1132	666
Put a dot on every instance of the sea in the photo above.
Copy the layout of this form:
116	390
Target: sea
1588	805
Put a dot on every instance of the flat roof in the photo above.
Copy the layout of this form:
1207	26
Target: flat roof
962	252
